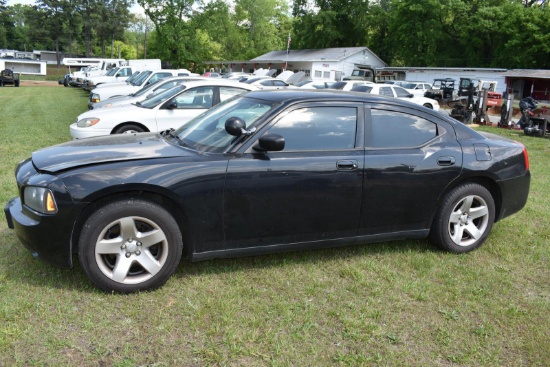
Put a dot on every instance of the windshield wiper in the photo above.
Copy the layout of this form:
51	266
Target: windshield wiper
171	133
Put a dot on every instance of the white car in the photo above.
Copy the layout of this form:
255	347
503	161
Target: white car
347	85
263	82
316	84
145	78
417	88
391	90
164	111
146	92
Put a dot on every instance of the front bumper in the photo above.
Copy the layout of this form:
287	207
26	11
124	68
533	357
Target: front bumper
87	132
45	236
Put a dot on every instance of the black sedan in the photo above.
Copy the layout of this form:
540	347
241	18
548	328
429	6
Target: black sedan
260	173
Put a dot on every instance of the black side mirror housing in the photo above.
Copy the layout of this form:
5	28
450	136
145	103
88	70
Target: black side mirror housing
172	105
270	143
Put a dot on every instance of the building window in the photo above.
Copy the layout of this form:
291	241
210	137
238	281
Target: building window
326	74
318	73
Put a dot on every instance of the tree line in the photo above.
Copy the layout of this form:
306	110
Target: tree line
185	33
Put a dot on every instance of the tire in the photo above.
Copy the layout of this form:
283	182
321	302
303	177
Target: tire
129	129
427	105
130	245
464	219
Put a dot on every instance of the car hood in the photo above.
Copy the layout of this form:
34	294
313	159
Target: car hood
103	149
123	112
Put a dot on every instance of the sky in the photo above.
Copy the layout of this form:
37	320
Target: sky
134	9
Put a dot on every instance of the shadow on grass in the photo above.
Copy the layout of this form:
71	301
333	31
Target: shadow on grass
21	267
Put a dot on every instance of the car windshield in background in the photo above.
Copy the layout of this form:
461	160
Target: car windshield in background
147	89
141	78
161	97
408	85
112	72
207	133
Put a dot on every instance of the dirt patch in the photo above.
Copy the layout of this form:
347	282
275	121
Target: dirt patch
39	83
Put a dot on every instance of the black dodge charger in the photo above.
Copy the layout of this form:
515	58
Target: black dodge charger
265	172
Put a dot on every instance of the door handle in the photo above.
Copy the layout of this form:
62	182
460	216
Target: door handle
446	161
346	165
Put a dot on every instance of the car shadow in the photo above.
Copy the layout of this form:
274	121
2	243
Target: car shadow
24	269
238	264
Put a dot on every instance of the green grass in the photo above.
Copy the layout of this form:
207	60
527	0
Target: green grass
402	303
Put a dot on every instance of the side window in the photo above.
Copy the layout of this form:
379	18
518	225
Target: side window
200	97
279	83
392	129
386	91
228	92
400	92
266	83
318	128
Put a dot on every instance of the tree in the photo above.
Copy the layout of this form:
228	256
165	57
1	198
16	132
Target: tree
175	39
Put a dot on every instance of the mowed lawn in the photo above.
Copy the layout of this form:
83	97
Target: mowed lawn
402	303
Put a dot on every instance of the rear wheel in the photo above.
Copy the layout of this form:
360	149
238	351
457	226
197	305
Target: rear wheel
427	105
129	129
464	219
130	245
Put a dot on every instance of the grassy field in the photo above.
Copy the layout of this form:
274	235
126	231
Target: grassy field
403	303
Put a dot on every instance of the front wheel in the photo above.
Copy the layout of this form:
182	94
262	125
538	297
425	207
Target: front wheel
130	245
464	219
129	129
427	105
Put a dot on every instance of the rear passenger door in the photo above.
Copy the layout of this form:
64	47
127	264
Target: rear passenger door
410	158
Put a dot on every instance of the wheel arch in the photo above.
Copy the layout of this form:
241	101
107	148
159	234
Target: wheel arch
145	128
153	194
487	182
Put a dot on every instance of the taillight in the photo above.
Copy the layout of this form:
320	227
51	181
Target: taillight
525	156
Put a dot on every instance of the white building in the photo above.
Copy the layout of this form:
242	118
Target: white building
327	63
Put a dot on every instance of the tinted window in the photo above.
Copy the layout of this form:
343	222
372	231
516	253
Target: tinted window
400	130
318	128
279	83
386	91
400	92
266	83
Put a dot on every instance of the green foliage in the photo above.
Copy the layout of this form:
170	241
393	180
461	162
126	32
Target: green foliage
185	33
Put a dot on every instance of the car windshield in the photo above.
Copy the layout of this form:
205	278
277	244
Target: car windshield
141	78
147	89
132	77
112	72
408	85
161	97
207	133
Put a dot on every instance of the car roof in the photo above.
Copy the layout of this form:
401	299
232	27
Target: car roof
292	96
218	81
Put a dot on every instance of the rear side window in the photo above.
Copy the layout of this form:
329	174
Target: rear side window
386	91
391	129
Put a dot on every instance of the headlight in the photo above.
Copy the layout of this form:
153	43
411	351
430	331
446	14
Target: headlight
95	98
87	122
39	199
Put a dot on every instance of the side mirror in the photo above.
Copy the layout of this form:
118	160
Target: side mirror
235	126
270	143
410	95
171	105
